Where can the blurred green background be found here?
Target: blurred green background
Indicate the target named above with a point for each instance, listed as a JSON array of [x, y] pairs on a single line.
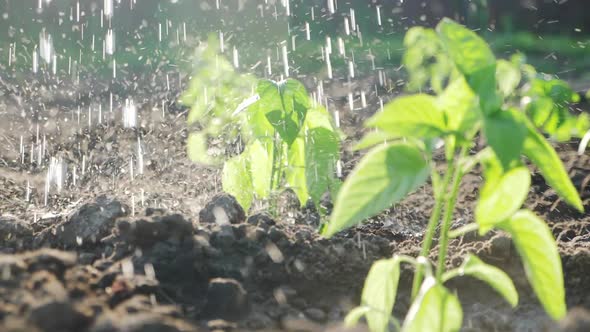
[[555, 35]]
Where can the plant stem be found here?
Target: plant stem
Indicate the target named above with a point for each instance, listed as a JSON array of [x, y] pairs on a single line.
[[275, 173], [439, 191], [274, 170], [446, 223], [280, 164]]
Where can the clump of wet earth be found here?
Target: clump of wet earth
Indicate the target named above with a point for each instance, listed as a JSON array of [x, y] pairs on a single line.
[[165, 250]]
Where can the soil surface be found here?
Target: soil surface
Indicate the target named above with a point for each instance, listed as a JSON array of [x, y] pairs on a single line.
[[122, 247]]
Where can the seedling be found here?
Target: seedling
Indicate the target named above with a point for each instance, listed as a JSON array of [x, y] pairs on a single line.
[[478, 99], [272, 141], [291, 142]]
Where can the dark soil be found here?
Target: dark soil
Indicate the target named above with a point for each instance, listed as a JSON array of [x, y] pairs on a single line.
[[167, 251]]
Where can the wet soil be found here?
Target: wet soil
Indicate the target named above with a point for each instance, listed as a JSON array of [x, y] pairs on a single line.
[[123, 250]]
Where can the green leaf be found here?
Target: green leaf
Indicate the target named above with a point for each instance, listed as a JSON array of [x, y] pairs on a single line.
[[425, 60], [434, 310], [548, 107], [258, 123], [285, 105], [236, 180], [538, 150], [505, 133], [319, 117], [500, 198], [284, 125], [270, 95], [469, 52], [410, 116], [537, 248], [474, 59], [295, 170], [322, 151], [259, 154], [460, 106], [379, 293], [384, 176], [508, 77], [295, 95], [493, 276]]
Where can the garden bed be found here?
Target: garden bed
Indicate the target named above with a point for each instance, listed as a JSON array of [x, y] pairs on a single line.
[[149, 252]]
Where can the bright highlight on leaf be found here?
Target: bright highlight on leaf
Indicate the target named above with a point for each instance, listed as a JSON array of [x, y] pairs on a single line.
[[379, 293], [493, 276], [434, 310], [502, 197], [412, 116], [538, 150], [474, 59], [537, 249], [237, 181], [384, 176]]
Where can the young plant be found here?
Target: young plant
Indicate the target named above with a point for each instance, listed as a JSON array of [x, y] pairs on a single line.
[[290, 142], [215, 90], [478, 99], [274, 138]]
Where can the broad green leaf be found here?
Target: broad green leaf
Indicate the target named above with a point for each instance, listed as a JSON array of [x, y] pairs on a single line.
[[474, 59], [493, 276], [483, 83], [335, 188], [502, 197], [538, 150], [259, 154], [469, 52], [257, 122], [508, 77], [424, 60], [295, 170], [285, 105], [384, 176], [537, 248], [410, 116], [505, 132], [319, 117], [547, 106], [460, 105], [492, 169], [270, 95], [461, 109], [434, 310], [379, 293], [284, 125], [236, 180], [321, 154], [295, 95]]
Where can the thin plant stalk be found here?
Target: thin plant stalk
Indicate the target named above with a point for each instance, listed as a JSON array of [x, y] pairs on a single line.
[[431, 227], [446, 223]]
